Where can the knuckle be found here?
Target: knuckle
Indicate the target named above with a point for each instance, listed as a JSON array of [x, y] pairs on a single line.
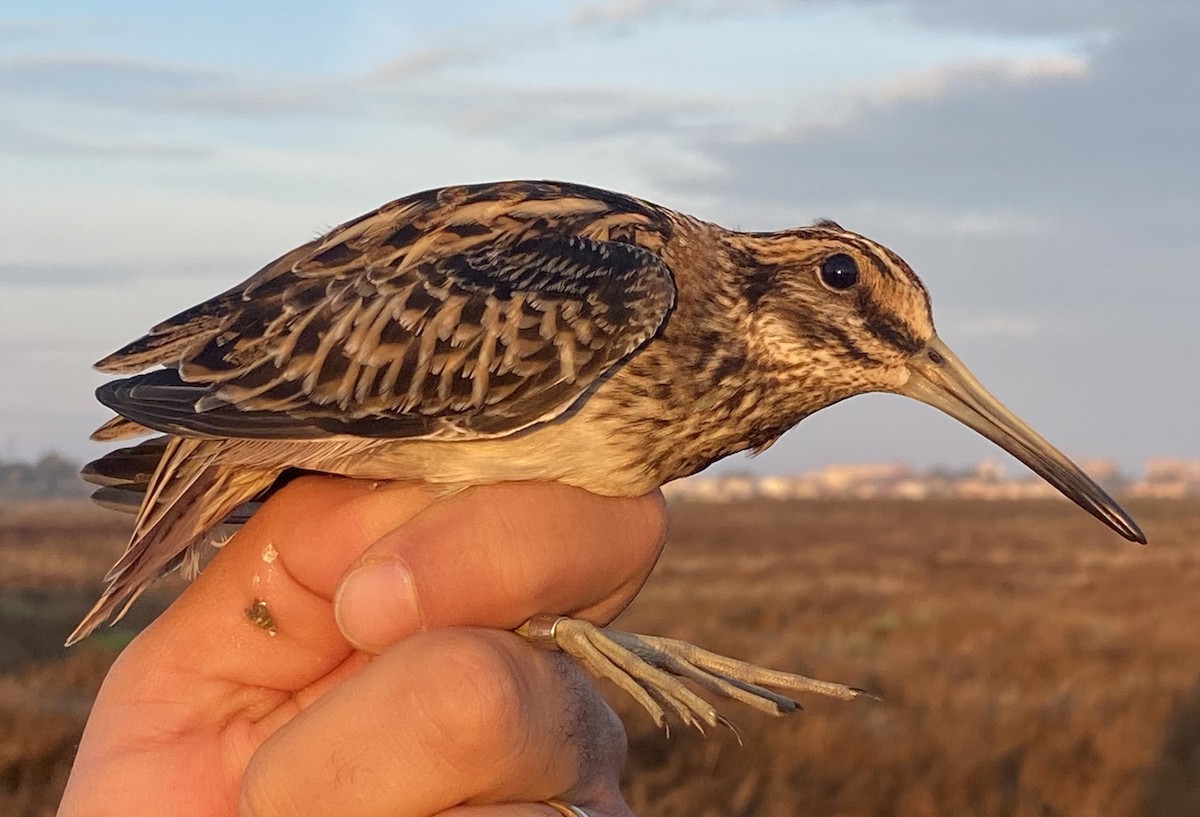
[[296, 500], [260, 795], [646, 536], [474, 712], [299, 490], [654, 507]]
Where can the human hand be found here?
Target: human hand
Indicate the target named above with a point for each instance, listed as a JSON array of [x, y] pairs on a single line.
[[205, 713]]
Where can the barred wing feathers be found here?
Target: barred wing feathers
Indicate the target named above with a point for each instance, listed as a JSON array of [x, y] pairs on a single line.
[[459, 313]]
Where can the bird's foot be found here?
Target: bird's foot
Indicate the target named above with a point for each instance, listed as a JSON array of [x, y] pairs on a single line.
[[650, 668]]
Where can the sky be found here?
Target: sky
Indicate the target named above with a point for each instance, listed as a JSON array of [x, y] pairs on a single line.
[[1035, 162]]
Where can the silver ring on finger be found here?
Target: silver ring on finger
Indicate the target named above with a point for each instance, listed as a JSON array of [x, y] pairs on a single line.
[[567, 809]]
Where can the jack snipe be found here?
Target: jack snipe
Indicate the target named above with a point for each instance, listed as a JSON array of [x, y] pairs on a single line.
[[528, 331]]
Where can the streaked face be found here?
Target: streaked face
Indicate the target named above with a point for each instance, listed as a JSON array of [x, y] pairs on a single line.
[[840, 315], [839, 310]]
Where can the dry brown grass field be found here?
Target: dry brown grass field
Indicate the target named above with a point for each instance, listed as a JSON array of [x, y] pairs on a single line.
[[1029, 661]]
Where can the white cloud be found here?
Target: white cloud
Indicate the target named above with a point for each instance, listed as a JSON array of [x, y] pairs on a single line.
[[101, 79], [628, 12], [20, 140], [623, 12], [952, 76], [428, 60]]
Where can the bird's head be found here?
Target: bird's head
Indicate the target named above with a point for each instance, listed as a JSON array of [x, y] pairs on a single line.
[[835, 314]]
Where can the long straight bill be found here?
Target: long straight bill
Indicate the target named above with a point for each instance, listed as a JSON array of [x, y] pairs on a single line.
[[941, 380]]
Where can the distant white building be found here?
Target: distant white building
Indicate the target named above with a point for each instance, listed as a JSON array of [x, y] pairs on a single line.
[[1167, 478], [853, 477], [1164, 478]]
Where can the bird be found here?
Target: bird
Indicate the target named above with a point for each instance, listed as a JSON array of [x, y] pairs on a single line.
[[526, 330]]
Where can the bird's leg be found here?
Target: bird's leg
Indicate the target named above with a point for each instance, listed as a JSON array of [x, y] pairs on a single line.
[[649, 669]]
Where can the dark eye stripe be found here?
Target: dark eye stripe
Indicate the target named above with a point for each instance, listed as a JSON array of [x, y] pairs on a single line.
[[894, 333], [850, 347]]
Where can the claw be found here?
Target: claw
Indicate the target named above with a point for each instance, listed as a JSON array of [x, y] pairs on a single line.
[[649, 668]]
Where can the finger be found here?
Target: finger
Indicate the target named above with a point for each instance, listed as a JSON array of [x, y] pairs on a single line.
[[494, 556], [442, 719], [288, 557]]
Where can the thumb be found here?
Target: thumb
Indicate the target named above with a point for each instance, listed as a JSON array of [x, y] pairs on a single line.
[[494, 556]]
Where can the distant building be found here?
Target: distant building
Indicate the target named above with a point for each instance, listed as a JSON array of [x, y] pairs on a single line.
[[1164, 478], [1171, 469], [989, 471], [1104, 471], [1167, 478], [852, 477]]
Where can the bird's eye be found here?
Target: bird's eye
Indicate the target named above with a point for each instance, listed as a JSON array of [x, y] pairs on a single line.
[[839, 271]]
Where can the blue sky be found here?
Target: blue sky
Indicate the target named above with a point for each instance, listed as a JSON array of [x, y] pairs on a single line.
[[1035, 164]]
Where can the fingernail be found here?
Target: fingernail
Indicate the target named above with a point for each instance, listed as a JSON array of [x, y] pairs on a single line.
[[376, 606]]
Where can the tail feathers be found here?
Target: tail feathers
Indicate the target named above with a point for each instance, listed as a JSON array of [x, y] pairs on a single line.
[[125, 500], [119, 428], [123, 477], [184, 500], [131, 467]]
